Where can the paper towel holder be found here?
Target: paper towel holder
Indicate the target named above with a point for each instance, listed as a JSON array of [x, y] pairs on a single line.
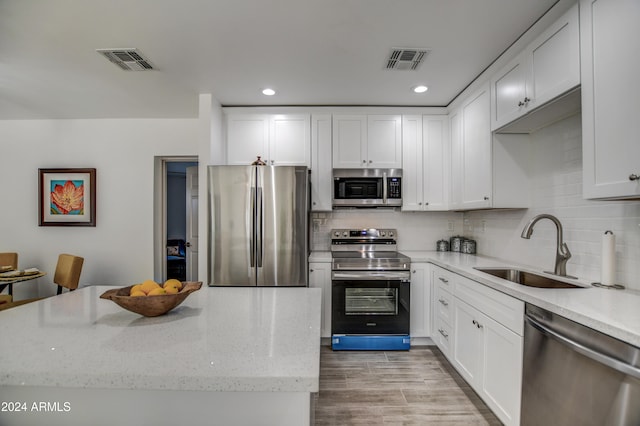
[[608, 286]]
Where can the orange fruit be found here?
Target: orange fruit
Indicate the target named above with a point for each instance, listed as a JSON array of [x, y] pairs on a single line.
[[173, 282], [171, 288], [138, 293], [157, 291], [137, 287], [149, 285]]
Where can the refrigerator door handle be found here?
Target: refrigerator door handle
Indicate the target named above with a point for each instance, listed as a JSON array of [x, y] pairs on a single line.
[[260, 230], [252, 241]]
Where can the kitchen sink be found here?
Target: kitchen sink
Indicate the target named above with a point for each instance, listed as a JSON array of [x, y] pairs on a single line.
[[530, 279]]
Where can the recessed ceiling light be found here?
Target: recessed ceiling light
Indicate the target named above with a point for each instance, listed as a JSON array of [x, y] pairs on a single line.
[[420, 89], [269, 92]]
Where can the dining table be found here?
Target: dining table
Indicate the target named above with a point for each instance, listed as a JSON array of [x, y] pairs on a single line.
[[9, 278]]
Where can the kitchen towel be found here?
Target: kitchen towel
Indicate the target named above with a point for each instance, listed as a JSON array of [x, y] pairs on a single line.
[[608, 274]]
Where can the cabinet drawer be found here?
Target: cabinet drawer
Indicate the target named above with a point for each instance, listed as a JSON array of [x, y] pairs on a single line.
[[443, 336], [443, 277], [503, 309], [443, 302]]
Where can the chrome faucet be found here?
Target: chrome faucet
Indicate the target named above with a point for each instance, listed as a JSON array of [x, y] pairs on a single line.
[[562, 251]]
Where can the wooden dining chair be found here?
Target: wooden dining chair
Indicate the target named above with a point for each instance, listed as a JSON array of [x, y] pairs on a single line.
[[9, 259], [8, 262], [68, 272], [67, 275]]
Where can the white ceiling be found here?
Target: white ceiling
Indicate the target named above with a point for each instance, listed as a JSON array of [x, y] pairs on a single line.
[[312, 52]]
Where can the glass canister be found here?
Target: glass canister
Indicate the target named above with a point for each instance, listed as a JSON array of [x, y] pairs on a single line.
[[455, 243], [442, 245], [469, 247]]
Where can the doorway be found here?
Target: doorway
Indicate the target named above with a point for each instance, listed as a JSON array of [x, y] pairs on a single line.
[[176, 213]]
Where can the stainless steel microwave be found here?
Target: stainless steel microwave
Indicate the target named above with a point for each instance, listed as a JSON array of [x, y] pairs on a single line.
[[367, 188]]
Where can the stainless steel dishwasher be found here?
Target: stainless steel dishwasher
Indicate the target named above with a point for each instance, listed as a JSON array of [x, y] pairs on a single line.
[[574, 375]]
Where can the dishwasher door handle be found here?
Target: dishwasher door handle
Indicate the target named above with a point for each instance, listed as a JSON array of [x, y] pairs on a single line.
[[617, 365]]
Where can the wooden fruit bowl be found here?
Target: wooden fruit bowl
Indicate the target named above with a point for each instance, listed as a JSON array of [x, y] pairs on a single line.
[[150, 306]]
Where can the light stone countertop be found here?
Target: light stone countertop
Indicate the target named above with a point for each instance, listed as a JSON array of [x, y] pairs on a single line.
[[218, 339], [613, 312]]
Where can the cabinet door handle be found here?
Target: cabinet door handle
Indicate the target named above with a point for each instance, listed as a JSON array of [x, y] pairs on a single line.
[[477, 324], [524, 102], [444, 333], [310, 270], [444, 280], [633, 177], [364, 161], [444, 302], [486, 198]]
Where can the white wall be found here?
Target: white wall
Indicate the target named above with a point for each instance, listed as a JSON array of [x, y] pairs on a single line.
[[557, 189], [119, 250]]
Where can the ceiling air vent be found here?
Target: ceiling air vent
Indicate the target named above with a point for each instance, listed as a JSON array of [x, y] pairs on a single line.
[[127, 59], [406, 59]]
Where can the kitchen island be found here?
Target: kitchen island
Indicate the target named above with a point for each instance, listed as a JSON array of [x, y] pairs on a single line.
[[227, 356]]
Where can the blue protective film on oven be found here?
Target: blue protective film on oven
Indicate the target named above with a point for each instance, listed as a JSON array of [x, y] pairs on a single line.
[[341, 342]]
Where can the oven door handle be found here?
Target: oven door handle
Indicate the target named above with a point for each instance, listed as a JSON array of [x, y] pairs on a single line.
[[404, 276]]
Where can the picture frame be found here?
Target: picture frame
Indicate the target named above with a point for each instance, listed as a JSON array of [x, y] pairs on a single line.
[[67, 197]]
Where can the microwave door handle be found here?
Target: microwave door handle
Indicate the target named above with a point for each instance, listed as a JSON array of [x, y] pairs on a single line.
[[384, 188]]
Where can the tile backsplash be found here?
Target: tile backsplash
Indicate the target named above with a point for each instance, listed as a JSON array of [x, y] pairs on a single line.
[[416, 230], [556, 188]]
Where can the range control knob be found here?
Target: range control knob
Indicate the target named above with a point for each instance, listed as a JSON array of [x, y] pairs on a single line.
[[383, 234], [390, 234], [345, 234], [337, 233]]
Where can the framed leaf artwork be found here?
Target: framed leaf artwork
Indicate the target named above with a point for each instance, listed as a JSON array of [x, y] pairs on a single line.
[[67, 197]]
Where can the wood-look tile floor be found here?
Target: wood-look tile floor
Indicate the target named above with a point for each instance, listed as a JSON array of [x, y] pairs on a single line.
[[372, 388]]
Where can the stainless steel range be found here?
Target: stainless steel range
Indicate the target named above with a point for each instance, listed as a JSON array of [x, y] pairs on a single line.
[[370, 291]]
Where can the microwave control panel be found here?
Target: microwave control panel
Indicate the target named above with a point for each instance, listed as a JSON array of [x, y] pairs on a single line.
[[393, 187]]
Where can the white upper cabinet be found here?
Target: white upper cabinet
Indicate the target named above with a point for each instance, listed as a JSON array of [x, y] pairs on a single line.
[[384, 141], [247, 138], [321, 179], [547, 68], [279, 139], [471, 153], [425, 161], [361, 141], [610, 43], [487, 170]]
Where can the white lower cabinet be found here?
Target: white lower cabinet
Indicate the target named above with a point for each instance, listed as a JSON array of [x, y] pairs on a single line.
[[420, 311], [487, 348], [480, 331], [442, 306], [320, 277]]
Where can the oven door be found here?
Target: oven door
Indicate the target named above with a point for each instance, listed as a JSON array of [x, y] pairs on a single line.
[[375, 307]]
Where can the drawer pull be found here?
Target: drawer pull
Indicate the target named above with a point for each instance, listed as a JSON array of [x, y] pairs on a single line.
[[444, 333], [444, 302], [477, 324], [444, 280]]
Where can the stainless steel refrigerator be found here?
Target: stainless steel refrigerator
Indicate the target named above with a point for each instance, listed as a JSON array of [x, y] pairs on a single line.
[[258, 225]]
